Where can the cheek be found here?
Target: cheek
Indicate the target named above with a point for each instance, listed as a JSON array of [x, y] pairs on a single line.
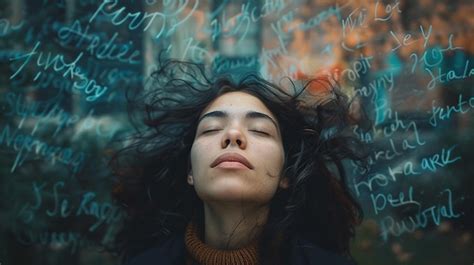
[[200, 154], [272, 157]]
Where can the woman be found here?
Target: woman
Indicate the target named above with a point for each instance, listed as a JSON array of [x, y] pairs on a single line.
[[236, 170]]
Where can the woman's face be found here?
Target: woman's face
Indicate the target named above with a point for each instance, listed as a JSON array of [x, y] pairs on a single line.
[[233, 128]]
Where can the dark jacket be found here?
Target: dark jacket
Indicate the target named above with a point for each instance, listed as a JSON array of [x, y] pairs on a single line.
[[173, 252]]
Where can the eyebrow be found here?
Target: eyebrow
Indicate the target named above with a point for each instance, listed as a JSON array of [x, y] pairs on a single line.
[[248, 115]]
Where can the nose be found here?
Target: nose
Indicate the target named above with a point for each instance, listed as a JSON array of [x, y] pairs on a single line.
[[235, 137]]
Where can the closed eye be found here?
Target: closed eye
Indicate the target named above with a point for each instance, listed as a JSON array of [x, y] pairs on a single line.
[[211, 130], [260, 132]]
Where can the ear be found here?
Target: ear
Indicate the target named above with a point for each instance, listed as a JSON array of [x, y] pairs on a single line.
[[284, 183], [190, 178]]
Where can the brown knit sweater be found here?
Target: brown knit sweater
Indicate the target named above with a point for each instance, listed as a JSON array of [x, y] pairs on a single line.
[[200, 253]]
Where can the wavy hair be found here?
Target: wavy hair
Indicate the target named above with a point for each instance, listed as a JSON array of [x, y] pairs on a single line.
[[315, 127]]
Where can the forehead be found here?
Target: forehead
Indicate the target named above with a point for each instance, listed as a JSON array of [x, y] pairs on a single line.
[[237, 103]]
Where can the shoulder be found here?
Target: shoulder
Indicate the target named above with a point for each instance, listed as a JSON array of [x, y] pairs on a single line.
[[170, 252], [305, 252]]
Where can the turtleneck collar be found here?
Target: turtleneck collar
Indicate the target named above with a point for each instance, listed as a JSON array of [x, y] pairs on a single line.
[[206, 255]]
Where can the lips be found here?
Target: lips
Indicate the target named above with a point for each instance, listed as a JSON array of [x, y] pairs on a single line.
[[232, 157]]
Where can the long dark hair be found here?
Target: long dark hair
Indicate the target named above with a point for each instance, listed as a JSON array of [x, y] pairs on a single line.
[[315, 127]]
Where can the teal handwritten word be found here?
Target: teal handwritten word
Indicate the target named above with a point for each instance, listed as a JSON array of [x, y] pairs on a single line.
[[107, 50], [444, 113], [51, 80], [350, 23], [137, 18], [194, 51], [27, 211], [236, 25], [406, 168], [358, 67], [278, 27], [74, 240], [372, 89], [103, 127], [102, 212], [270, 7], [381, 200], [391, 152], [222, 64], [364, 136], [420, 220], [24, 144], [112, 75], [58, 64], [317, 20], [268, 56], [439, 160], [240, 24], [445, 77], [396, 124], [172, 18], [144, 19], [407, 38], [48, 111], [6, 27], [395, 149], [389, 10], [432, 56]]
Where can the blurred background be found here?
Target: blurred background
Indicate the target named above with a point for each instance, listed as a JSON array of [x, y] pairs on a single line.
[[66, 65]]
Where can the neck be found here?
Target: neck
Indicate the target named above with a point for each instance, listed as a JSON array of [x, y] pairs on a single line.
[[232, 226]]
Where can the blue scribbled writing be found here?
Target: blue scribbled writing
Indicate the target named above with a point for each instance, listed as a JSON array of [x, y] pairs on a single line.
[[47, 111], [445, 77], [389, 9], [107, 50], [381, 200], [444, 113], [390, 226], [24, 144], [439, 160], [103, 212]]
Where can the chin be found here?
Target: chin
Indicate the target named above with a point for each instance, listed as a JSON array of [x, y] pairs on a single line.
[[233, 188], [229, 192], [235, 194]]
